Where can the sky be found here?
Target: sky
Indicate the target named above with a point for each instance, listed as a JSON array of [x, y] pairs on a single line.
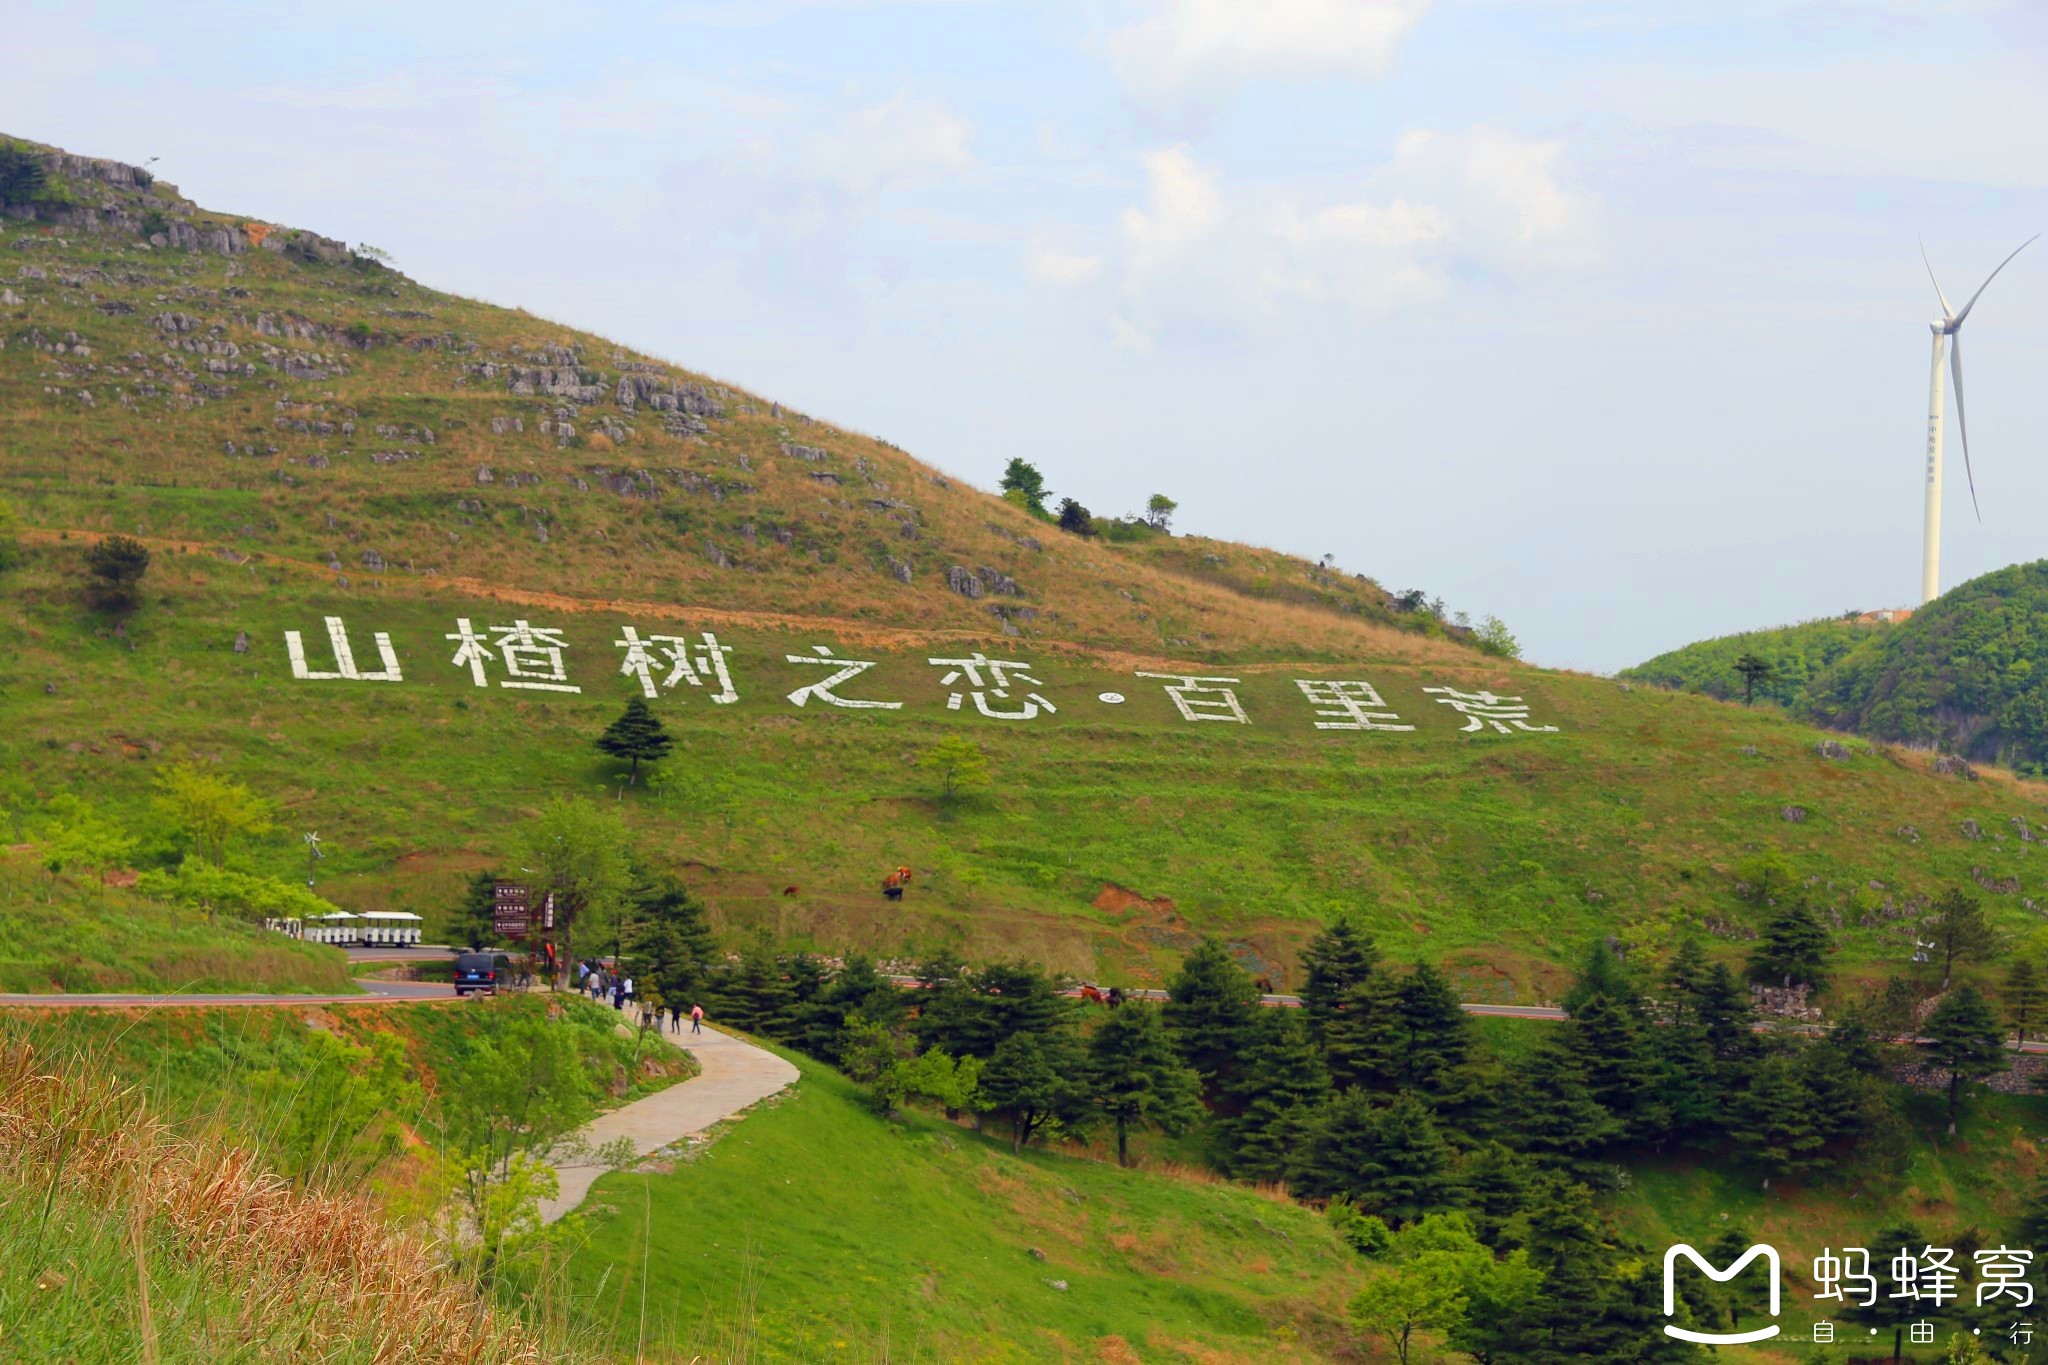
[[1606, 317]]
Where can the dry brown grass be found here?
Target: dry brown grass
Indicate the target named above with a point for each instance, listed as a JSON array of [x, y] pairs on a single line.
[[320, 1270]]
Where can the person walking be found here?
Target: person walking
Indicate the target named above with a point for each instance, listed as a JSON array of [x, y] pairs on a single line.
[[675, 1017], [696, 1018], [619, 996], [630, 997]]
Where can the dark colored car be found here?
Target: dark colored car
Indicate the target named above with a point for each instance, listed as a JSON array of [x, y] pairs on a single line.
[[482, 972]]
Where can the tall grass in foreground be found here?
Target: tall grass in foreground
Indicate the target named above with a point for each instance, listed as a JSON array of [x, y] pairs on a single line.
[[122, 1239]]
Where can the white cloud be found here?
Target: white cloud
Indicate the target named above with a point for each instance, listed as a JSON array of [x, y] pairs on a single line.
[[904, 137], [1448, 205], [1060, 267], [1198, 50]]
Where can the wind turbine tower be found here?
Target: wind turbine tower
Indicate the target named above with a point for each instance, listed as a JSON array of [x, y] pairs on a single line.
[[1947, 338]]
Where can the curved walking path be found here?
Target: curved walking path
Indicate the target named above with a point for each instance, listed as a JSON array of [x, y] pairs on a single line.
[[736, 1074]]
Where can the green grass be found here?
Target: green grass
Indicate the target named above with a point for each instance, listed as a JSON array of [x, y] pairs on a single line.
[[817, 1231], [1494, 856], [59, 936]]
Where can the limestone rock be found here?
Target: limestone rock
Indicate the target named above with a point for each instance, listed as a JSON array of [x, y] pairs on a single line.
[[900, 569], [963, 582], [241, 642]]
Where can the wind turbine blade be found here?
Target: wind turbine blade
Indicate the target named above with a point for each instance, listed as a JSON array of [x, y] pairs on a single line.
[[1946, 311], [1992, 276], [1955, 368]]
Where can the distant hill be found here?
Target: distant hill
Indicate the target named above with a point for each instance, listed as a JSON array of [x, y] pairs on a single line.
[[1968, 672], [298, 432], [1797, 655]]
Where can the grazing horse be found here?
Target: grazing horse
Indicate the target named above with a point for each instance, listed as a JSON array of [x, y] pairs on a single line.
[[1092, 996]]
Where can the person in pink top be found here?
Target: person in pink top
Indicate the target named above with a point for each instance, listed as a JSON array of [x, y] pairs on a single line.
[[696, 1018]]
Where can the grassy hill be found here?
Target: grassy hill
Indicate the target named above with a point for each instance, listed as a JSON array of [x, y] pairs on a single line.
[[947, 1248], [1797, 655], [1966, 672], [298, 433]]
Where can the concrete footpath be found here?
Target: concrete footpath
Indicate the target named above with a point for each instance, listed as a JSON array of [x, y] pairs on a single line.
[[736, 1074]]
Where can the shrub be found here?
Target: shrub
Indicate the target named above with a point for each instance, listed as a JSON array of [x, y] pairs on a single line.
[[154, 222], [23, 177], [115, 568]]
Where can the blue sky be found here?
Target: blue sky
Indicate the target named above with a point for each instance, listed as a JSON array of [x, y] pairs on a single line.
[[1607, 318]]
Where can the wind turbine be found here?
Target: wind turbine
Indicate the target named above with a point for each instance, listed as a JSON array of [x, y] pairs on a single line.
[[1948, 337]]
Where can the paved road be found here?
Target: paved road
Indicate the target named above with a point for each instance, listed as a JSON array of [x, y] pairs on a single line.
[[736, 1075], [418, 952], [373, 993]]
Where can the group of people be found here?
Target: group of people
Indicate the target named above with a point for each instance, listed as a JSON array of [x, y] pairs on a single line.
[[599, 983]]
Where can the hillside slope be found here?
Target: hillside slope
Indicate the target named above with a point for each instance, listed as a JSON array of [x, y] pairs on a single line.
[[1797, 655], [301, 435]]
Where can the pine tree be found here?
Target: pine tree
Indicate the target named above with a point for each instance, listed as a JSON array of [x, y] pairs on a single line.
[[1433, 1032], [1956, 927], [1775, 1122], [1336, 960], [1496, 1180], [1137, 1078], [1615, 1051], [1272, 1096], [1601, 1299], [1560, 1124], [1602, 976], [856, 992], [671, 946], [1210, 1005], [637, 735], [1386, 1157], [1725, 1014], [114, 570], [1033, 1081], [2024, 995], [1889, 1313], [1360, 1035], [1022, 479], [753, 995], [1793, 948], [1964, 1039], [1683, 980], [972, 1011]]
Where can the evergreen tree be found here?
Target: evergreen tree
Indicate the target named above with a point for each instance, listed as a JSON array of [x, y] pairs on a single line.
[[1600, 1300], [474, 921], [1272, 1096], [1691, 1082], [1956, 927], [1964, 1038], [637, 735], [671, 947], [1360, 1036], [971, 1011], [1339, 958], [1387, 1158], [1137, 1078], [1890, 1314], [2032, 1228], [1793, 949], [114, 570], [1210, 1005], [753, 995], [1560, 1124], [1683, 981], [1602, 976], [857, 992], [1725, 1015], [2025, 994], [1496, 1180], [1433, 1034], [1033, 1081], [1754, 670], [1075, 519], [1775, 1123], [1617, 1055]]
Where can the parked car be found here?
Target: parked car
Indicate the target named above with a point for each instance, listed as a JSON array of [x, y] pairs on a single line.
[[482, 972]]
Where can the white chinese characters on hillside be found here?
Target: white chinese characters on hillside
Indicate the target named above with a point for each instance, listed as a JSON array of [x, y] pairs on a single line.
[[531, 654], [645, 657], [525, 657], [1481, 709], [344, 657], [1196, 699], [1002, 675], [845, 671]]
